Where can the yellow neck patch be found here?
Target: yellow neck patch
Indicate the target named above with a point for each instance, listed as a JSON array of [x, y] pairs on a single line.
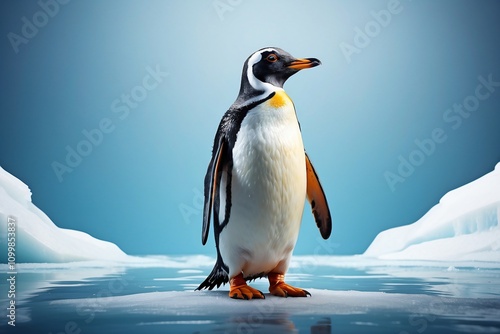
[[279, 99]]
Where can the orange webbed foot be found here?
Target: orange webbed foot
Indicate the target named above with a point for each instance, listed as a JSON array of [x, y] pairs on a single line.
[[278, 287], [240, 290]]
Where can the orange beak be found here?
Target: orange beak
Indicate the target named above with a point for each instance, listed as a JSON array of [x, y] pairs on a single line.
[[301, 63]]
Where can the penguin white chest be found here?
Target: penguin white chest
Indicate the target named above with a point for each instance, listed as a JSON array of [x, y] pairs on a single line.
[[268, 189]]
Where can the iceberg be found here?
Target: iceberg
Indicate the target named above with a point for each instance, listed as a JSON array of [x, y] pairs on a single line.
[[37, 238], [463, 226]]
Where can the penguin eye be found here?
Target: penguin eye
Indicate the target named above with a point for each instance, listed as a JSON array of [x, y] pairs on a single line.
[[272, 58]]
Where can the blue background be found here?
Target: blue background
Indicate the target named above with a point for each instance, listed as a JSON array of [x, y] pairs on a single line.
[[140, 186]]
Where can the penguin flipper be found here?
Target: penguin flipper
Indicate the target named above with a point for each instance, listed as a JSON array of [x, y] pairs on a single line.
[[317, 199], [212, 182]]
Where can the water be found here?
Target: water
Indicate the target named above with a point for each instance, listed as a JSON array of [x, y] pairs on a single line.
[[349, 295]]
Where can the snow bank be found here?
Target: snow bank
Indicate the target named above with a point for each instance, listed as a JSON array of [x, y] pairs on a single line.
[[38, 239], [464, 226]]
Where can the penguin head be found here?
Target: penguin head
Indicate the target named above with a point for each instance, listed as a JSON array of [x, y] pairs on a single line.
[[275, 66], [269, 68]]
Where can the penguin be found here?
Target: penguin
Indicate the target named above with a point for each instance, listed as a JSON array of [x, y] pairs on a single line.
[[258, 180]]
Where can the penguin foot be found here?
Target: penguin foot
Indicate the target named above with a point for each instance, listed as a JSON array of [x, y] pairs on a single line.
[[240, 290], [278, 287]]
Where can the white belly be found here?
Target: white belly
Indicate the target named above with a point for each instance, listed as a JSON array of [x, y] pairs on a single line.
[[268, 192]]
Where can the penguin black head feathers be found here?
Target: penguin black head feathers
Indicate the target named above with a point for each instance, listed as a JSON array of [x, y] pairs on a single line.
[[269, 68]]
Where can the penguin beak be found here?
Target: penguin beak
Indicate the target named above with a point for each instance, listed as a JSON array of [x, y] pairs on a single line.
[[301, 63]]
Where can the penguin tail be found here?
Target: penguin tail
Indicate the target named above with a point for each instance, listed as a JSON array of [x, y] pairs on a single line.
[[217, 277]]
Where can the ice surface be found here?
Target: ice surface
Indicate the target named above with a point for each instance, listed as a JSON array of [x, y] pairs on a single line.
[[463, 226], [354, 294], [383, 297], [41, 239], [196, 303]]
